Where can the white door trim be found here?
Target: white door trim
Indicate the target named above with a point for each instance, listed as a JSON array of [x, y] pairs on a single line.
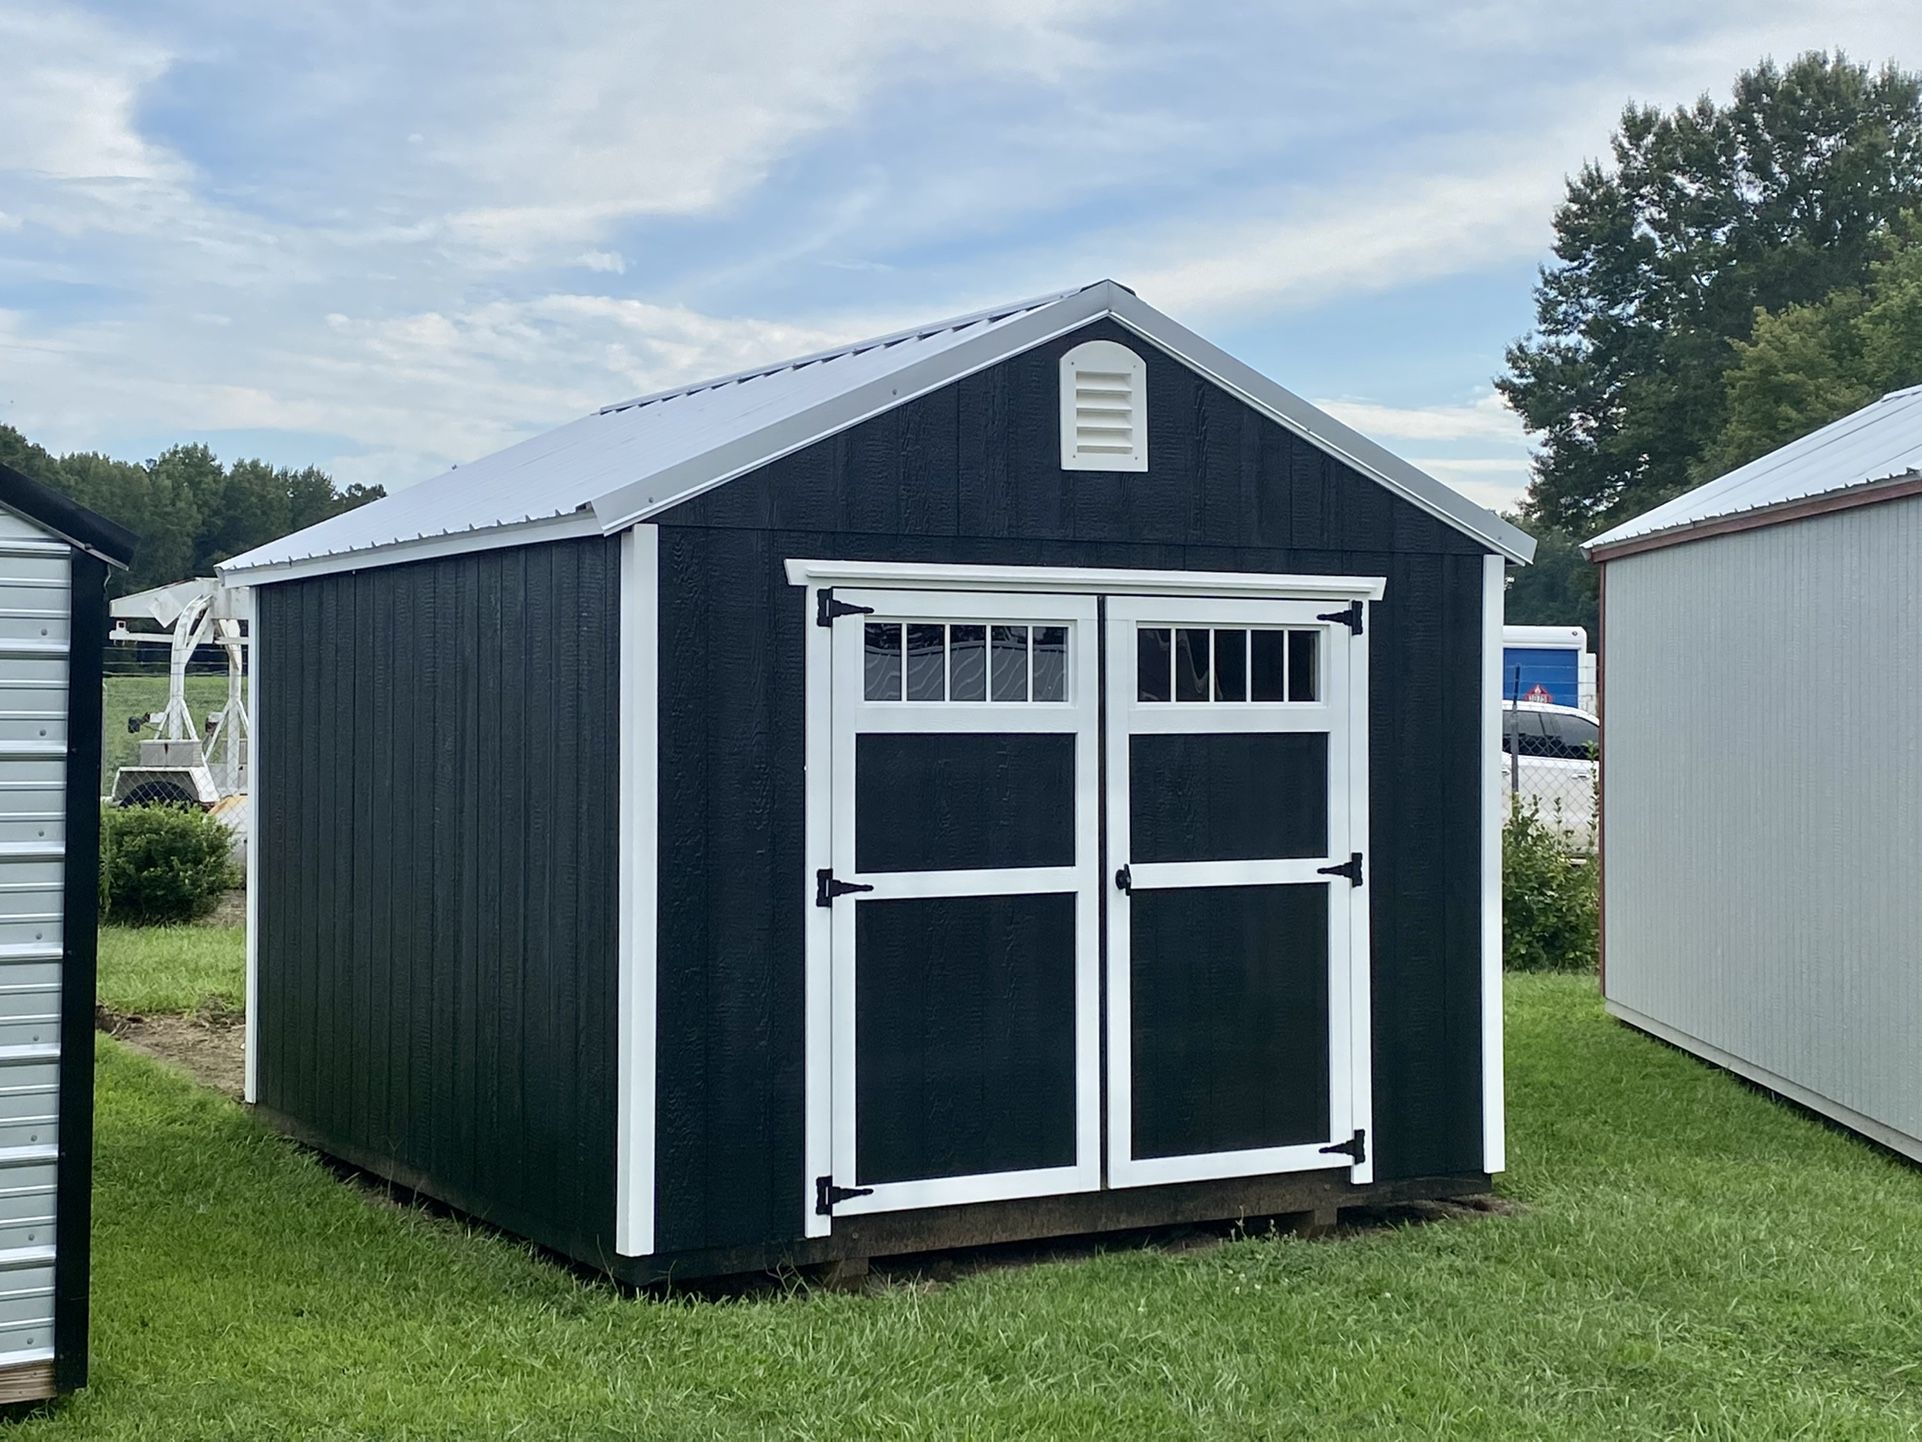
[[909, 575], [1340, 710], [853, 715]]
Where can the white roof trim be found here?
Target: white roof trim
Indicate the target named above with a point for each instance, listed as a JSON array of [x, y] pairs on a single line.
[[1315, 425], [420, 548], [600, 499], [1876, 446], [926, 576]]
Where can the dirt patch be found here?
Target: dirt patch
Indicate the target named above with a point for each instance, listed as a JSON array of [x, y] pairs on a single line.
[[210, 1045], [230, 910]]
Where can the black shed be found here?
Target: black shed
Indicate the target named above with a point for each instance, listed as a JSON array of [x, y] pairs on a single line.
[[1025, 775], [55, 559]]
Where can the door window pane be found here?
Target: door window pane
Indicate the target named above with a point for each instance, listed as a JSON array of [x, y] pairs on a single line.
[[968, 663], [883, 661], [927, 662], [1268, 673], [1050, 663], [1152, 645], [1304, 672], [1231, 665], [1009, 664], [1191, 665]]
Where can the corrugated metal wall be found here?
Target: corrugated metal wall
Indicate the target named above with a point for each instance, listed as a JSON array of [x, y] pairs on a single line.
[[35, 612], [1762, 801]]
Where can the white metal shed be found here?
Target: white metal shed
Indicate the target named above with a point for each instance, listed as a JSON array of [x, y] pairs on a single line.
[[1761, 660], [55, 558]]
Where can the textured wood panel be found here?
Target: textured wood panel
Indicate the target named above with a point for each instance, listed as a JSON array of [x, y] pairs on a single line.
[[1229, 1023], [438, 850], [965, 1034], [971, 475]]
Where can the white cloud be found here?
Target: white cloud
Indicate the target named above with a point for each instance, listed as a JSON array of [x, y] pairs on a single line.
[[1485, 418], [67, 107], [610, 262]]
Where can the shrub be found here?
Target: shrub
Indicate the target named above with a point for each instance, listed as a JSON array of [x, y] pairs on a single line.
[[1551, 908], [161, 864]]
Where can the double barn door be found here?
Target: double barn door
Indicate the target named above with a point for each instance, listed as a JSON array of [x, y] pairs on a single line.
[[1095, 906]]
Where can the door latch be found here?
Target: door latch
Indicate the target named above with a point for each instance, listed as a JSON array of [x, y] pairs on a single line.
[[826, 888], [1124, 880]]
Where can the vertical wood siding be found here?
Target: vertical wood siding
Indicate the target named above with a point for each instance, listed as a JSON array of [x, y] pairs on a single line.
[[1763, 748], [971, 474], [438, 841]]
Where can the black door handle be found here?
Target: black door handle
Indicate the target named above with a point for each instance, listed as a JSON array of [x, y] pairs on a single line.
[[1124, 879]]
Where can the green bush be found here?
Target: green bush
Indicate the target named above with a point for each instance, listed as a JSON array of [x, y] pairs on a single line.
[[161, 864], [1551, 907]]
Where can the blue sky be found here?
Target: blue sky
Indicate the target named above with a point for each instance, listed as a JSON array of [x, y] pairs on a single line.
[[385, 238]]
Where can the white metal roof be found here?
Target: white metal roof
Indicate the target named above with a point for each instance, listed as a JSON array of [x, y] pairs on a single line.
[[600, 474], [1881, 442]]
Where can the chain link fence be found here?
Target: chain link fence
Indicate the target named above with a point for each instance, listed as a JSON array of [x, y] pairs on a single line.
[[1550, 763]]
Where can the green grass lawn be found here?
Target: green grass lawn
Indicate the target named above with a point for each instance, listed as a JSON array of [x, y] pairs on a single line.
[[1691, 1259], [172, 968], [142, 696]]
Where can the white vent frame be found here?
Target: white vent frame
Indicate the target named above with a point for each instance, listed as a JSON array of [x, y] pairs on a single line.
[[1104, 408]]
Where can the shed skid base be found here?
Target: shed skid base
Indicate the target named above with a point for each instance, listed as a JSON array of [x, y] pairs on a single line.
[[1308, 1201], [29, 1382]]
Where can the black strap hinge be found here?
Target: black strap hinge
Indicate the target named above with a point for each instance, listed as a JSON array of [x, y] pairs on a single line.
[[1351, 868], [826, 888], [826, 607], [826, 1194], [1349, 616], [1356, 1147]]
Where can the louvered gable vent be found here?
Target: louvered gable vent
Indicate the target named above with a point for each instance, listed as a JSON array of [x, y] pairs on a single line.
[[1104, 408]]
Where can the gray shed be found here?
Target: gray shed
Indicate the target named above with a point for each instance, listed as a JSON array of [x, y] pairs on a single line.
[[1762, 770]]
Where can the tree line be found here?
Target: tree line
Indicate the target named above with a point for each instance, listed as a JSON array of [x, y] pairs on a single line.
[[1735, 275], [189, 511]]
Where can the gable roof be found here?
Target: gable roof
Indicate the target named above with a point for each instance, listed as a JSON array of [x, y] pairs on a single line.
[[626, 462], [1856, 459], [66, 518]]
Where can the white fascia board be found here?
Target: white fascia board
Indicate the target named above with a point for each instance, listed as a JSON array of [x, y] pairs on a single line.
[[622, 507], [572, 526], [920, 576], [1323, 430]]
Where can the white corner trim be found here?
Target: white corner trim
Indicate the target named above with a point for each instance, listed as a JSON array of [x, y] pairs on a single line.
[[1082, 580], [639, 849], [1494, 1096], [249, 610]]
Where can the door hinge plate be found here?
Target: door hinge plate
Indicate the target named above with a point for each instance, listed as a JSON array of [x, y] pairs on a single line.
[[826, 1194], [1355, 1147], [1351, 868], [827, 607], [826, 888], [1349, 615]]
